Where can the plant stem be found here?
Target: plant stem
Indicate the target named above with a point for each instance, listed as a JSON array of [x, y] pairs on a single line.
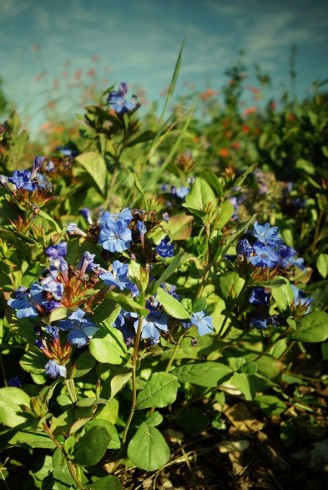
[[71, 466], [134, 380], [3, 371], [266, 350], [71, 389], [174, 353]]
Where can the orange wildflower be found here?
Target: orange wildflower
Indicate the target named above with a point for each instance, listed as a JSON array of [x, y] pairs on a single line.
[[224, 152]]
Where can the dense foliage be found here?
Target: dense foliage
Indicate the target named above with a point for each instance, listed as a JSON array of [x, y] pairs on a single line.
[[152, 272]]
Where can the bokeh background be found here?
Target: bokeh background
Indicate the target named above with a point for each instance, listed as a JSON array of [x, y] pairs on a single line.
[[56, 54]]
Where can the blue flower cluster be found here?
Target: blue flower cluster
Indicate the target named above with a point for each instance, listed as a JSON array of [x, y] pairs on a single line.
[[165, 248], [268, 249], [27, 179], [117, 101], [60, 285], [265, 249], [153, 325], [115, 234], [260, 297], [156, 323]]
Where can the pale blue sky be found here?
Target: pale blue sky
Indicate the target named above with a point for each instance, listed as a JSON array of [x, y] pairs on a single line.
[[139, 41]]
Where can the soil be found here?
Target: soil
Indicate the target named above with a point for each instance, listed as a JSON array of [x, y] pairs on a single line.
[[248, 453]]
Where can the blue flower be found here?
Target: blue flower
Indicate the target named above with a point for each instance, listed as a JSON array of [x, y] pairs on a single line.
[[180, 192], [25, 301], [202, 322], [30, 181], [15, 382], [260, 321], [124, 216], [50, 167], [22, 180], [73, 229], [264, 255], [288, 257], [37, 164], [116, 99], [52, 286], [55, 370], [56, 251], [87, 264], [244, 247], [169, 288], [124, 323], [152, 325], [119, 276], [67, 152], [141, 227], [53, 331], [267, 235], [165, 249], [80, 330], [85, 212], [51, 305], [259, 296], [300, 299], [115, 236]]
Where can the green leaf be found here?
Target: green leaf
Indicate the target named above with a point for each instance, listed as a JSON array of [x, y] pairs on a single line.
[[283, 296], [174, 148], [107, 482], [92, 446], [276, 282], [90, 402], [155, 419], [148, 449], [108, 346], [201, 197], [46, 216], [230, 285], [160, 391], [12, 401], [34, 361], [172, 83], [119, 380], [106, 312], [207, 374], [94, 165], [215, 182], [172, 306], [147, 135], [225, 214], [199, 304], [322, 265], [171, 268], [235, 236], [305, 165], [270, 405], [312, 327], [114, 442], [61, 474], [85, 362], [192, 420], [180, 227], [59, 314], [243, 382], [127, 303], [32, 439]]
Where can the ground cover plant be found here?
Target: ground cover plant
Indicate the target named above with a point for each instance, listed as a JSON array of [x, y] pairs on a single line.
[[164, 294]]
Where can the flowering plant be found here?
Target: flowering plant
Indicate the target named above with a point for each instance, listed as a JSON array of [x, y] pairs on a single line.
[[132, 298]]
